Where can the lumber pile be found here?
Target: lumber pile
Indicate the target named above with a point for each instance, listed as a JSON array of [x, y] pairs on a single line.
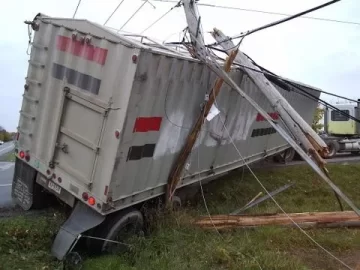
[[304, 220]]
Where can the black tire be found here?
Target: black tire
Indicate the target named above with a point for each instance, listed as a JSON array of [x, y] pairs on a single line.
[[176, 203], [355, 153], [286, 156], [333, 149], [118, 227]]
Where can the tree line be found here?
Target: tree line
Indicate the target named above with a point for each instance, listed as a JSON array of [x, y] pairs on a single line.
[[6, 136]]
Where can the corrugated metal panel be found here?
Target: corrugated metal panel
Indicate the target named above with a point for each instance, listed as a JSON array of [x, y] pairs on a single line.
[[174, 90], [99, 75]]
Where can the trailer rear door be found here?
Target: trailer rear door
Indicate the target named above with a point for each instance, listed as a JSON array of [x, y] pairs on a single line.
[[80, 131]]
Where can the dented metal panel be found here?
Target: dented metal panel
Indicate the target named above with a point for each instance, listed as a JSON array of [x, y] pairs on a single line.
[[174, 90]]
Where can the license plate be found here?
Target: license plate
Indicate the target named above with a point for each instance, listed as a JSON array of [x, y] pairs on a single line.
[[54, 187]]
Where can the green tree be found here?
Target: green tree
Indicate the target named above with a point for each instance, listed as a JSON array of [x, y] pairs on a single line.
[[4, 135], [319, 113]]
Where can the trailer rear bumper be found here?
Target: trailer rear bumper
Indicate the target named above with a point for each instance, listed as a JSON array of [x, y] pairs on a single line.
[[82, 219], [23, 186]]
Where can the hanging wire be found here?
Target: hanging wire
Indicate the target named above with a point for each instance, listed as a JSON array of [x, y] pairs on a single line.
[[108, 19], [267, 12], [204, 199], [278, 205], [278, 22], [132, 16], [77, 7], [161, 17]]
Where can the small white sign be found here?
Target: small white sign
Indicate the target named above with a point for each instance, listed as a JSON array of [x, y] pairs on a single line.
[[213, 112], [54, 187]]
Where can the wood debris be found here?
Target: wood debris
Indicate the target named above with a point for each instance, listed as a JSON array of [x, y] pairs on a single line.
[[304, 220]]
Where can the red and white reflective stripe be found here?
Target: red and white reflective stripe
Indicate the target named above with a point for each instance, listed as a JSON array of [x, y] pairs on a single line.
[[81, 49], [146, 124], [142, 125], [273, 115]]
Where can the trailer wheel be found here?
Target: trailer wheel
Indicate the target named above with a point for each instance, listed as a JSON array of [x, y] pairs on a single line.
[[333, 149], [286, 156], [176, 203], [118, 227]]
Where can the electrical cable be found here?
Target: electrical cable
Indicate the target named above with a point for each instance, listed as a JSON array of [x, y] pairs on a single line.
[[299, 87], [278, 22], [206, 205], [268, 12], [113, 12], [296, 86], [161, 17], [77, 7], [132, 16], [278, 205]]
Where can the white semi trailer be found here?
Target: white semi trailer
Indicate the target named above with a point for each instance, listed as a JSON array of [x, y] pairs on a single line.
[[104, 117]]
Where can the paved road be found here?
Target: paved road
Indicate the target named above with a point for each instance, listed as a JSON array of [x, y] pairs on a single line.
[[6, 148], [6, 174], [341, 158]]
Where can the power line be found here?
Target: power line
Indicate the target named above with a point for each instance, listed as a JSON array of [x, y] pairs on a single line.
[[113, 12], [132, 16], [278, 22], [268, 74], [299, 87], [77, 7], [161, 17], [268, 12]]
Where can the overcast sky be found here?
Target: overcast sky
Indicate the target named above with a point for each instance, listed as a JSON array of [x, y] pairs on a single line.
[[322, 54]]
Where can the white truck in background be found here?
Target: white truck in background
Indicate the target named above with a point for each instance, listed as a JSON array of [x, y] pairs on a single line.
[[342, 129], [341, 132]]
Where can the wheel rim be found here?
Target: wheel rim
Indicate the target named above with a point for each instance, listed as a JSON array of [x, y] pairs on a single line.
[[122, 236], [331, 150]]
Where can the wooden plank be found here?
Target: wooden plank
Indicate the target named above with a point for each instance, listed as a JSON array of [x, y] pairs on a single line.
[[312, 219]]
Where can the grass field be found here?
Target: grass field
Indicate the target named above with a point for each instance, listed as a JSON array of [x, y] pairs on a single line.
[[174, 243], [9, 157]]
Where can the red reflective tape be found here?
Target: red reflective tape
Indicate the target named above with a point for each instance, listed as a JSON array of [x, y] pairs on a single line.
[[259, 118], [145, 124], [80, 49], [273, 115]]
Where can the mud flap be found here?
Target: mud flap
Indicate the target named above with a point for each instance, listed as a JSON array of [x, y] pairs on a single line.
[[23, 185], [82, 218]]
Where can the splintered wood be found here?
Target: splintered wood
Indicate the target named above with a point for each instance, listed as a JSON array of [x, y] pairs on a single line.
[[175, 174], [304, 220]]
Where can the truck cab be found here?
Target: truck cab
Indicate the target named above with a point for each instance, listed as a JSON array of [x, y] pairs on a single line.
[[342, 131], [338, 124]]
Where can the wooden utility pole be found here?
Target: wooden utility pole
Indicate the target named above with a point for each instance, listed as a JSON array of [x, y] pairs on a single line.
[[201, 52], [179, 164]]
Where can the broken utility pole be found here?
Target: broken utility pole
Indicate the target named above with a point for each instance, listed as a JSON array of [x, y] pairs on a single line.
[[177, 170], [202, 53]]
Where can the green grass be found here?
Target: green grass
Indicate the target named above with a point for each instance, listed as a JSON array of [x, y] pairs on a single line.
[[174, 243], [9, 157]]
